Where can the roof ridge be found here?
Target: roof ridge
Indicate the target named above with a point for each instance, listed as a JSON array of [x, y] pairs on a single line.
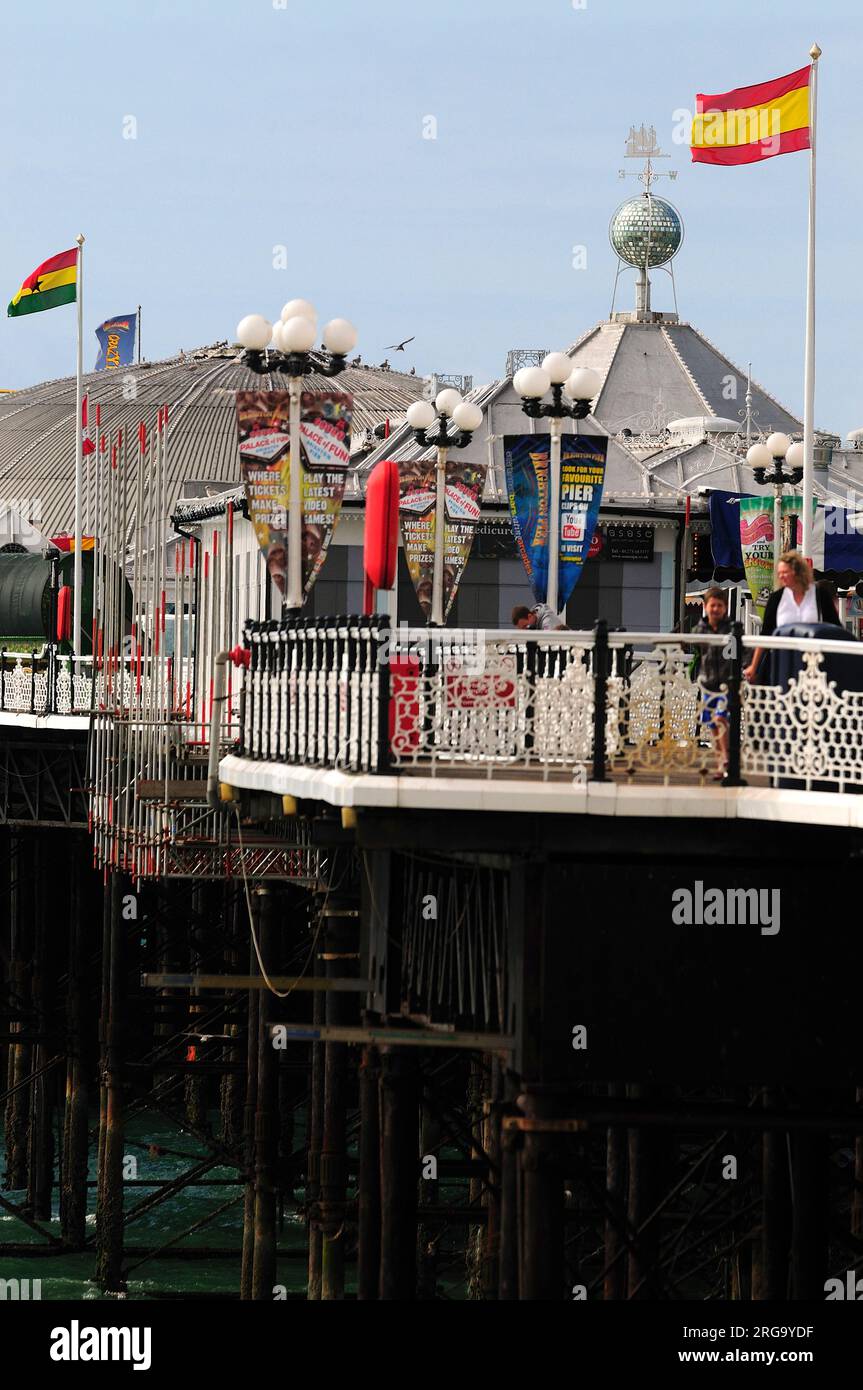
[[686, 369]]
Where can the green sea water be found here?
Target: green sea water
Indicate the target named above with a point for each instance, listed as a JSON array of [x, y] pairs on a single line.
[[70, 1276]]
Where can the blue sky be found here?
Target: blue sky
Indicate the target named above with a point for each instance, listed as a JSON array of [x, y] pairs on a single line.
[[301, 126]]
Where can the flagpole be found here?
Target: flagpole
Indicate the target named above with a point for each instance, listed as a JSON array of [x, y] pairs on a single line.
[[139, 335], [809, 361], [79, 452]]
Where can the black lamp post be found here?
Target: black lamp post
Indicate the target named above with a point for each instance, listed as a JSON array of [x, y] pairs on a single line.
[[467, 418], [294, 337], [581, 385], [776, 462]]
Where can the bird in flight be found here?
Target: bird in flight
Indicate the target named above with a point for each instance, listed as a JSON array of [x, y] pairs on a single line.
[[399, 347]]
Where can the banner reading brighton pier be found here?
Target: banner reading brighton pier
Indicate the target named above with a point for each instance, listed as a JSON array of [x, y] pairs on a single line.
[[582, 476], [464, 484], [756, 541], [263, 420]]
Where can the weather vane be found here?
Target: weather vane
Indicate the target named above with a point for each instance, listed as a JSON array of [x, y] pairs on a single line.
[[642, 144]]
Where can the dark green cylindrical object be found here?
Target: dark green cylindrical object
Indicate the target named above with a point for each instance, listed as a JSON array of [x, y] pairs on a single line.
[[25, 594]]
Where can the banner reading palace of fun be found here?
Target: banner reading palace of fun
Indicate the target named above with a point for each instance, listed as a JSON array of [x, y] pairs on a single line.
[[582, 476], [464, 484], [263, 419]]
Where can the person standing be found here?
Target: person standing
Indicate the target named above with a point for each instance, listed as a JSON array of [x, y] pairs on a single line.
[[714, 670], [797, 600]]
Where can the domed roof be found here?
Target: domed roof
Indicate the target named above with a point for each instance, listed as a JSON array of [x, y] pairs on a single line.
[[37, 425], [646, 231]]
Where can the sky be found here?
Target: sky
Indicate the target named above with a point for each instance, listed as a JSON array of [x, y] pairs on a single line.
[[423, 170]]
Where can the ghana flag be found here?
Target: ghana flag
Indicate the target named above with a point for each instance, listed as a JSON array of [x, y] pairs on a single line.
[[53, 282]]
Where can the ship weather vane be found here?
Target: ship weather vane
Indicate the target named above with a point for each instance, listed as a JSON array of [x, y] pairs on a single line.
[[641, 143]]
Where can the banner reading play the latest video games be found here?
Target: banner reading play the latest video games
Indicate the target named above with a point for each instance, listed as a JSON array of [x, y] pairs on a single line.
[[464, 484], [263, 419], [582, 475], [756, 541], [116, 342]]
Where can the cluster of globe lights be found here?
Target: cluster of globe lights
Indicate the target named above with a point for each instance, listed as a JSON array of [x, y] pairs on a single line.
[[580, 384], [776, 448], [296, 332], [448, 404]]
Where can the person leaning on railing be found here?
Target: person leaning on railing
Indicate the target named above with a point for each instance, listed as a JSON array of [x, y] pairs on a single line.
[[797, 600], [540, 618]]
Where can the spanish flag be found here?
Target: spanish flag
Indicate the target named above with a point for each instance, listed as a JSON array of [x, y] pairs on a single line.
[[753, 123], [54, 282]]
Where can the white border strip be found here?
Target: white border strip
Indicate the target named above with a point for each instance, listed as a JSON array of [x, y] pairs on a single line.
[[530, 794]]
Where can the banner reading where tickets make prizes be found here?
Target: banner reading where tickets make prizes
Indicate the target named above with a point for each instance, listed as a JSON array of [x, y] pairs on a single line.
[[582, 477], [464, 484], [263, 420]]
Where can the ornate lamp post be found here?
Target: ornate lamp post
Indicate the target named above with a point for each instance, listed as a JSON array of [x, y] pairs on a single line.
[[767, 462], [467, 418], [294, 337], [581, 385]]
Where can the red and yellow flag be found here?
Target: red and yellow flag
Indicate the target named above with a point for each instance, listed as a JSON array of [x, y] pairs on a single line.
[[753, 123], [54, 282]]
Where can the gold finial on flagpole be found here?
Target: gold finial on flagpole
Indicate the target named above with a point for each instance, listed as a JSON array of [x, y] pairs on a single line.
[[80, 238], [815, 53]]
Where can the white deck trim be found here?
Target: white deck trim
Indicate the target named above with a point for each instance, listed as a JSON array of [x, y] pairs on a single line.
[[18, 719], [415, 792]]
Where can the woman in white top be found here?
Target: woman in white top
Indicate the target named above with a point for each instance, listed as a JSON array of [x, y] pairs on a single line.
[[797, 600]]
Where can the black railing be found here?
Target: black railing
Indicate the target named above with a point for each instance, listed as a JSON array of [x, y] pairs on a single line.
[[317, 692]]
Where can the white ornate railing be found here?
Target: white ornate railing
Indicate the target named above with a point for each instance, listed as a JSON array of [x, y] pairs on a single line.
[[581, 705], [808, 731], [41, 683]]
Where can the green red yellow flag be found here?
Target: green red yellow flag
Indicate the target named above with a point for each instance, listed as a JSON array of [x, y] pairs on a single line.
[[753, 123], [54, 282]]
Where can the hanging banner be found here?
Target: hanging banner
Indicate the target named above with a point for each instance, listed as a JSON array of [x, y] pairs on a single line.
[[116, 342], [582, 477], [792, 523], [417, 495], [756, 547], [756, 540], [263, 421]]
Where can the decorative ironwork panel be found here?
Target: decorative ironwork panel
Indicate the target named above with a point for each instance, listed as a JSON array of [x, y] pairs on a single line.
[[809, 732]]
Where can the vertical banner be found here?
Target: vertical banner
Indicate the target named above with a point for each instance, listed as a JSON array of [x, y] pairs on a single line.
[[792, 522], [116, 342], [756, 540], [582, 477], [263, 421], [417, 491], [756, 547]]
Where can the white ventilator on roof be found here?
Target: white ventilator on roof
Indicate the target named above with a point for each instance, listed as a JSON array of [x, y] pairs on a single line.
[[698, 425]]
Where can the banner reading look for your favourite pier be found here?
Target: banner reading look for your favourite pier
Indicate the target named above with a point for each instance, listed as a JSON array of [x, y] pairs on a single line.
[[263, 419], [582, 476]]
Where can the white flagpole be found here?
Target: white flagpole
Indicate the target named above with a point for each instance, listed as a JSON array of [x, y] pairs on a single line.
[[809, 361], [79, 453]]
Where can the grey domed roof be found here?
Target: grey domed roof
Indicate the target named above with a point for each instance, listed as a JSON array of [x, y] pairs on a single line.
[[37, 425]]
